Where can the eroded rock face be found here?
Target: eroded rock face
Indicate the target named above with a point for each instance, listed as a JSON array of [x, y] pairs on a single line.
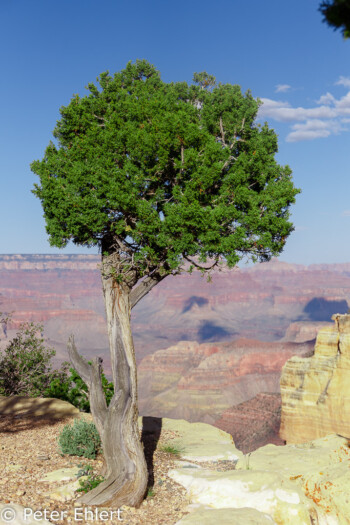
[[64, 292], [316, 390], [254, 423], [198, 382]]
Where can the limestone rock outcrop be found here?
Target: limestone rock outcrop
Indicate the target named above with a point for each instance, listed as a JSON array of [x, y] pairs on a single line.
[[293, 485], [316, 390]]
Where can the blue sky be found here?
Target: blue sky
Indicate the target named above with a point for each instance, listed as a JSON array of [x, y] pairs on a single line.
[[280, 50]]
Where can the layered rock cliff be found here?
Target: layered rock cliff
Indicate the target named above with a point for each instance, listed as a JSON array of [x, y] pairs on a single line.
[[198, 382], [316, 390], [64, 292]]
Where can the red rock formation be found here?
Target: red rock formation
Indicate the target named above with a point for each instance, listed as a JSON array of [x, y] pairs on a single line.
[[254, 423], [255, 303]]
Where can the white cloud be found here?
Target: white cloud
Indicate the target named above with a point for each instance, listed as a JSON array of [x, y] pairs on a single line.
[[282, 88], [343, 81], [283, 112], [328, 116], [326, 99], [346, 213], [313, 129]]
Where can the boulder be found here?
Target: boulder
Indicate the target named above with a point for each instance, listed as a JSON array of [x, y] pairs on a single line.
[[22, 406]]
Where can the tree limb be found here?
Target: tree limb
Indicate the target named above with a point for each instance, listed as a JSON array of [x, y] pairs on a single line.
[[222, 132], [79, 363], [202, 267], [143, 288], [91, 375]]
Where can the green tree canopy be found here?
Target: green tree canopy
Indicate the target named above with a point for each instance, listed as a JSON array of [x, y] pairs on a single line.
[[337, 14], [165, 171]]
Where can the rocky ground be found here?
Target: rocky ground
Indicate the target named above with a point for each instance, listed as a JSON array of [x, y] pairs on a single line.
[[29, 451], [208, 481]]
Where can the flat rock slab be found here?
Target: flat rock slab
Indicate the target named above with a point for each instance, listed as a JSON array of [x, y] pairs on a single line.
[[266, 492], [15, 514], [244, 516], [66, 492], [22, 406], [62, 474], [296, 460], [199, 441], [295, 485], [320, 467]]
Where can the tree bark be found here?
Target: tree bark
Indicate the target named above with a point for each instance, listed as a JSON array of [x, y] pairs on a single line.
[[125, 467]]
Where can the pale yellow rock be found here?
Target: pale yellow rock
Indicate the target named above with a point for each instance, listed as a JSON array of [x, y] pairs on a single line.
[[66, 492], [62, 474], [316, 390], [266, 492], [300, 459], [14, 468], [199, 441], [36, 406], [244, 516], [321, 468]]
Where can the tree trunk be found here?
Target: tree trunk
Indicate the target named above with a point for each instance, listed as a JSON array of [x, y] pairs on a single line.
[[125, 466]]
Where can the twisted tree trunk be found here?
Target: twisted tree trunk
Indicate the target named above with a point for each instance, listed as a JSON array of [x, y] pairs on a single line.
[[125, 467]]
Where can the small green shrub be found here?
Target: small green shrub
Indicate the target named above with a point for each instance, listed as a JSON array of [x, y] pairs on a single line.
[[150, 493], [71, 388], [25, 364], [171, 449], [80, 439], [92, 480]]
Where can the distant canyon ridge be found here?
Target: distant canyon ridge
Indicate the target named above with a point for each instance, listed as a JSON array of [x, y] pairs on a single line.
[[268, 302], [202, 347]]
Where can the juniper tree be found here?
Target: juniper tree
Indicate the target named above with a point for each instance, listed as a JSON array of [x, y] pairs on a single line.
[[156, 175]]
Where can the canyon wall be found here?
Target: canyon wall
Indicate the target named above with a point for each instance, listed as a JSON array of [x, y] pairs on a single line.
[[64, 293], [198, 382], [316, 390]]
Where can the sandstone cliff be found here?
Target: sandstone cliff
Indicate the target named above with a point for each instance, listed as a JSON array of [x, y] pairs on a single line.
[[316, 390]]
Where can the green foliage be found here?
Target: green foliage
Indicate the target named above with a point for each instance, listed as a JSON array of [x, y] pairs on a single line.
[[80, 439], [92, 480], [150, 493], [337, 14], [26, 369], [171, 449], [25, 365], [70, 387], [161, 172]]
